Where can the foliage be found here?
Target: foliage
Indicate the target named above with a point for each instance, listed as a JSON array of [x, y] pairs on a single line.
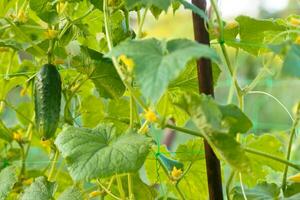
[[100, 132]]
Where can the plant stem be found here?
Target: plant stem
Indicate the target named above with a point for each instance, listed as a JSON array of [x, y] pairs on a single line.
[[266, 155], [225, 53], [131, 112], [179, 192], [288, 155], [120, 187], [53, 163], [130, 191], [141, 24], [184, 130], [115, 61], [228, 184], [107, 191], [23, 159]]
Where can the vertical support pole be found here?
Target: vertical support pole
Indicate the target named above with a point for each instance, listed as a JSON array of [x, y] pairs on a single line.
[[205, 79]]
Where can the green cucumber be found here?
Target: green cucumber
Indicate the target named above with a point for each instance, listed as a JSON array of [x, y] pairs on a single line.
[[47, 99]]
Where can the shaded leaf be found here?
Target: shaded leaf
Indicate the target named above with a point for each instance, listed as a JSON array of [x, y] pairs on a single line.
[[8, 178]]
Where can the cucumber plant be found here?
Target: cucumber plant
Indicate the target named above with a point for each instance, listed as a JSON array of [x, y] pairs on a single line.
[[86, 98]]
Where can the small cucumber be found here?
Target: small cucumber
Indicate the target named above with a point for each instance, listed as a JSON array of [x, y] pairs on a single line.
[[47, 99]]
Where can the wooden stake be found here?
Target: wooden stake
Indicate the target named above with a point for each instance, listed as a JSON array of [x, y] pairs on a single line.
[[205, 79]]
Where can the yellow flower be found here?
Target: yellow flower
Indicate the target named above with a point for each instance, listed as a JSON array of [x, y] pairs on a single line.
[[46, 143], [28, 181], [129, 63], [176, 173], [145, 130], [22, 17], [150, 116], [17, 136], [295, 21], [95, 194], [51, 34], [297, 41], [295, 178], [231, 25]]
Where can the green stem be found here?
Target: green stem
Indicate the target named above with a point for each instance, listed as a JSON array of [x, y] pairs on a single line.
[[53, 164], [266, 155], [141, 24], [107, 190], [288, 155], [179, 192], [184, 130], [130, 191], [23, 159], [228, 184], [120, 187], [115, 61]]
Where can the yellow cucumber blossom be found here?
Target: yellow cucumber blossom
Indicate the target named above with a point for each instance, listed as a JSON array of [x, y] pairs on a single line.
[[176, 173], [51, 34], [295, 178], [145, 130], [17, 136], [94, 194], [28, 181], [46, 143], [150, 116], [231, 25], [297, 41], [128, 62], [295, 21], [22, 17]]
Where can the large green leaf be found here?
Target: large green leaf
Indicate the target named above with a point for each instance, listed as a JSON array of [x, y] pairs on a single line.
[[71, 193], [187, 81], [8, 178], [95, 153], [266, 143], [159, 62], [251, 32], [192, 151], [40, 189], [105, 77], [210, 118], [92, 111], [45, 9], [162, 4], [262, 191]]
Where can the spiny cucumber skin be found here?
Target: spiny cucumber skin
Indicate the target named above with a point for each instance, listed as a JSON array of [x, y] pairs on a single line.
[[47, 99]]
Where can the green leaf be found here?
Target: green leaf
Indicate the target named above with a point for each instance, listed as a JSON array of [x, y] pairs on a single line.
[[105, 77], [4, 133], [11, 44], [25, 109], [209, 118], [8, 178], [187, 82], [252, 33], [235, 119], [40, 189], [194, 183], [266, 143], [162, 4], [194, 8], [71, 193], [263, 191], [97, 153], [292, 189], [192, 151], [92, 111], [45, 9], [159, 62]]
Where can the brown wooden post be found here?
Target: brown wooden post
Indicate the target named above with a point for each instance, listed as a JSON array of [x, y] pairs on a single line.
[[205, 79]]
